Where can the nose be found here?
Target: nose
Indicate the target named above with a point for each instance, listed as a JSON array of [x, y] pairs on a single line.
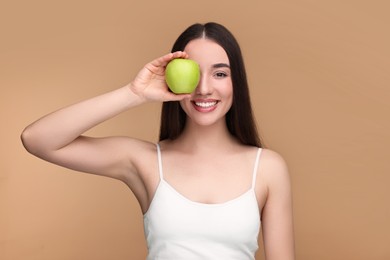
[[204, 87]]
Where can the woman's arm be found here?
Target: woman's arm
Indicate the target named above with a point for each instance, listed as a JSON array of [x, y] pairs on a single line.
[[58, 138], [277, 217]]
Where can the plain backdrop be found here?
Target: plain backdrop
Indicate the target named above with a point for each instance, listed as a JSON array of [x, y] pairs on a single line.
[[319, 80]]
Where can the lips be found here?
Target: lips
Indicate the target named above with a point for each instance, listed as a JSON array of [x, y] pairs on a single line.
[[205, 105]]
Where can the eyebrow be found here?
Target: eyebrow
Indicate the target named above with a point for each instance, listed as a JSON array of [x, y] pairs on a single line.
[[220, 65]]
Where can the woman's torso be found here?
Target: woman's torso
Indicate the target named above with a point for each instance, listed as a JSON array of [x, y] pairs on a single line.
[[206, 212]]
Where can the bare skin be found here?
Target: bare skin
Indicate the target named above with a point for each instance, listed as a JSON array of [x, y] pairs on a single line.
[[58, 138]]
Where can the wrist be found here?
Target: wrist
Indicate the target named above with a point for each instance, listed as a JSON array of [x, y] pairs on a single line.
[[136, 98]]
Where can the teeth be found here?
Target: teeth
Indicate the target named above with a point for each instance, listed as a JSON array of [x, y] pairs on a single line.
[[206, 104]]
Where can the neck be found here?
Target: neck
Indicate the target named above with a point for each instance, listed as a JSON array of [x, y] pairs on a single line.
[[200, 138]]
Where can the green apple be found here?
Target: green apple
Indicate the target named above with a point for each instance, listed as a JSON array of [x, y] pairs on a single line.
[[182, 75]]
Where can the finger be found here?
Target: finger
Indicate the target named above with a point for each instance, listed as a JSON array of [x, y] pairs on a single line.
[[171, 56], [180, 54], [164, 60], [177, 97]]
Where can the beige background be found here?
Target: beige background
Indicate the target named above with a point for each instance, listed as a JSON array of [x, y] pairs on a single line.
[[319, 77]]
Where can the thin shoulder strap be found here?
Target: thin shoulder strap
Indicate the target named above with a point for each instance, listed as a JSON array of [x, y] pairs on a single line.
[[160, 171], [256, 168]]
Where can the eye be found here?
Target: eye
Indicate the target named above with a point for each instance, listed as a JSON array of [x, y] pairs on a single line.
[[220, 74]]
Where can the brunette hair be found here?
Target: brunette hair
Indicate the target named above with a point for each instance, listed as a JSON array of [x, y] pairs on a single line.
[[239, 119]]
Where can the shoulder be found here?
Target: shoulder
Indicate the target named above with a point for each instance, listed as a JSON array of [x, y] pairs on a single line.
[[128, 148], [134, 154], [140, 152], [273, 160], [142, 158], [273, 169], [141, 145]]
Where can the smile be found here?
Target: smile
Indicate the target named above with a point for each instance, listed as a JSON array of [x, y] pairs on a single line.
[[206, 104]]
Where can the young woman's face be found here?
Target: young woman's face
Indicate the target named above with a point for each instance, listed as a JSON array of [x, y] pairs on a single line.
[[213, 96]]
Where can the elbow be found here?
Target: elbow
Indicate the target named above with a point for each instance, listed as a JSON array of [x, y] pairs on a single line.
[[35, 142], [29, 141]]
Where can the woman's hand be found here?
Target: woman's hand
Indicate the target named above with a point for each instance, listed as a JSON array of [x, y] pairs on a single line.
[[150, 83]]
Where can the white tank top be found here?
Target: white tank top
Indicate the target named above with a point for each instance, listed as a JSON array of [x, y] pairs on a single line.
[[178, 228]]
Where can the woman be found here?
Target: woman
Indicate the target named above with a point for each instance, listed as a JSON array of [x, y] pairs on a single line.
[[207, 186]]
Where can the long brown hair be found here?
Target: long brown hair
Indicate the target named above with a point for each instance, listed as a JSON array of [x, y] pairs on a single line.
[[239, 119]]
